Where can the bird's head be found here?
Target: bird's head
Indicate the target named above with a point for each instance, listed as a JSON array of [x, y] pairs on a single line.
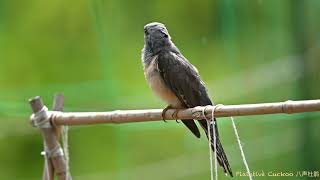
[[156, 37]]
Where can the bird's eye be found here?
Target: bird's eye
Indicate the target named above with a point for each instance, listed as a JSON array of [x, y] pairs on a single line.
[[146, 32], [164, 33]]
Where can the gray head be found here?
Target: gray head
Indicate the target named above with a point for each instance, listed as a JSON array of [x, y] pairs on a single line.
[[156, 37]]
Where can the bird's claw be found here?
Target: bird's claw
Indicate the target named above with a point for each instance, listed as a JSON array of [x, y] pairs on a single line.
[[174, 115], [164, 113]]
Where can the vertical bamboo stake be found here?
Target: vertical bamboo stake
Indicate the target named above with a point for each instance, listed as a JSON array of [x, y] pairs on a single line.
[[58, 102], [51, 142]]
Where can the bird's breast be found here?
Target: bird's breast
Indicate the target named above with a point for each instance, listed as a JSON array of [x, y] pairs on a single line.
[[158, 85]]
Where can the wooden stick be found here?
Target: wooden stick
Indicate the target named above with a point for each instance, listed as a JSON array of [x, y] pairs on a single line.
[[126, 116], [58, 103], [57, 106], [50, 140]]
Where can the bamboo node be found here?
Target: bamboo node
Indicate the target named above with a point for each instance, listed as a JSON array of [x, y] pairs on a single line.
[[196, 112], [287, 107]]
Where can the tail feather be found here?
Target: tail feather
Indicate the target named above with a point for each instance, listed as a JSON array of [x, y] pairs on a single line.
[[221, 156], [191, 125]]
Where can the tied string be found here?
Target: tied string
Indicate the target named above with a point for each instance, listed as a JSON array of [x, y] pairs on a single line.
[[41, 119], [241, 149], [211, 124], [56, 151]]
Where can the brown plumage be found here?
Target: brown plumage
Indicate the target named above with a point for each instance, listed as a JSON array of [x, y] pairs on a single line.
[[176, 81]]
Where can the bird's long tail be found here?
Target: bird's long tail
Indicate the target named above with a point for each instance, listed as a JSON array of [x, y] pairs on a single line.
[[221, 156]]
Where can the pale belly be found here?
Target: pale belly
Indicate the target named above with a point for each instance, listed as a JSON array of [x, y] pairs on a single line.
[[159, 87]]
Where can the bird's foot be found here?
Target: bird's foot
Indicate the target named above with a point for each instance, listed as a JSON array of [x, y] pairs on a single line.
[[164, 112], [175, 115]]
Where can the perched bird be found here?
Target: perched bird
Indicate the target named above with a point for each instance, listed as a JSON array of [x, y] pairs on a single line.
[[176, 81]]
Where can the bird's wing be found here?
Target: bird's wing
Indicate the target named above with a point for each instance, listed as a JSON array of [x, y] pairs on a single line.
[[183, 79]]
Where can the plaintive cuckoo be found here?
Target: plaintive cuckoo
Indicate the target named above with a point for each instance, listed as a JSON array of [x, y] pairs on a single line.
[[176, 81]]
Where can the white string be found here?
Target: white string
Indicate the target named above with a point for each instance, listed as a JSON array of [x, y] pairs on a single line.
[[209, 123], [214, 142], [66, 150], [241, 148], [210, 149]]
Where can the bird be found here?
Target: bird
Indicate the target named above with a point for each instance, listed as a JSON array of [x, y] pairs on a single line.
[[177, 82]]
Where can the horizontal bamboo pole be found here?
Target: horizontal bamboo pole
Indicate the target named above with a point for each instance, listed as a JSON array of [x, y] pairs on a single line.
[[127, 116]]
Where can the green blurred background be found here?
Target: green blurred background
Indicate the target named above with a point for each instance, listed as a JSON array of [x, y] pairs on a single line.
[[246, 51]]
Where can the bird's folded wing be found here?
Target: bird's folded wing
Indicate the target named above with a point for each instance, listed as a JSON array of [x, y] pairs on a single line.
[[183, 80]]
